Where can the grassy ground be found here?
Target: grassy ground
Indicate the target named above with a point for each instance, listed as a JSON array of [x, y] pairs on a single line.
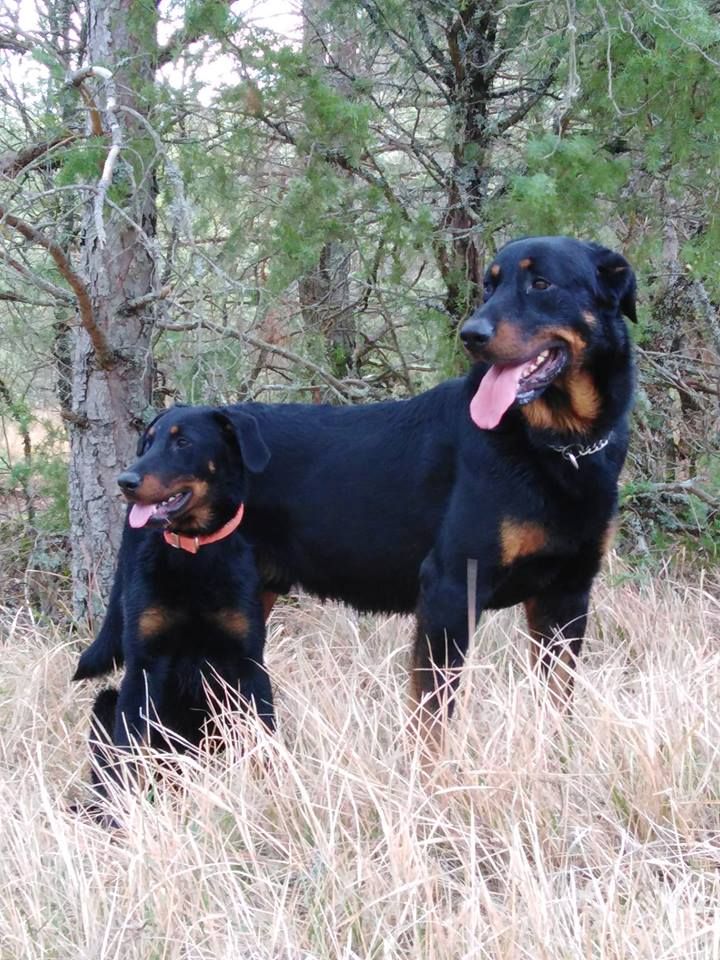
[[532, 837]]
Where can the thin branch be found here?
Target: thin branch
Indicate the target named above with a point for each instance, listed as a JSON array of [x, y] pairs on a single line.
[[139, 303], [526, 106], [682, 487], [178, 42], [87, 317], [31, 277], [109, 165], [14, 161], [77, 80], [339, 388], [8, 296]]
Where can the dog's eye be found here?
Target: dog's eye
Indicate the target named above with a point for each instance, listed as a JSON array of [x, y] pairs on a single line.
[[539, 283], [182, 442]]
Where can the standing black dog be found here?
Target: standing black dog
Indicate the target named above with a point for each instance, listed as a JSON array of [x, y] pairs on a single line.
[[184, 614], [487, 491]]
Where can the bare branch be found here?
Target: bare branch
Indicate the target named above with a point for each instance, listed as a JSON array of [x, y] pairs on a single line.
[[31, 277], [14, 161], [77, 80], [87, 317], [339, 387], [139, 303]]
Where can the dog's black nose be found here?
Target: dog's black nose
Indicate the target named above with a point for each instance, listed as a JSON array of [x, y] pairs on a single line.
[[129, 480], [476, 332]]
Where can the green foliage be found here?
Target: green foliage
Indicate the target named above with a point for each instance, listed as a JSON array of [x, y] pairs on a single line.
[[210, 17], [82, 162], [566, 182]]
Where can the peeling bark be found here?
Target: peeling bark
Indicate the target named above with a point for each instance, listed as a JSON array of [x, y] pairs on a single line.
[[110, 395]]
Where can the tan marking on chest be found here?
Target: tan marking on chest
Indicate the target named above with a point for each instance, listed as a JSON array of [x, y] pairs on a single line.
[[520, 539]]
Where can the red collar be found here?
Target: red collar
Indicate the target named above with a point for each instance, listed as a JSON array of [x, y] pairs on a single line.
[[193, 544]]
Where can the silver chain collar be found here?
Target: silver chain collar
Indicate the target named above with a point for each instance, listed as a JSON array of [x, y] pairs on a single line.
[[573, 450]]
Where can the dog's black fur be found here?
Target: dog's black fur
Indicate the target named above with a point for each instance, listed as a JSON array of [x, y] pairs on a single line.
[[384, 505], [182, 623]]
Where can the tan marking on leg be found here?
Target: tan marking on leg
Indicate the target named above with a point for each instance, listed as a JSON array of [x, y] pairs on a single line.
[[268, 598], [558, 673], [520, 539], [609, 536], [155, 620], [560, 679], [232, 621]]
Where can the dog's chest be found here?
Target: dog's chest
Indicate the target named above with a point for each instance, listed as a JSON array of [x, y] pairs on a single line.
[[193, 603]]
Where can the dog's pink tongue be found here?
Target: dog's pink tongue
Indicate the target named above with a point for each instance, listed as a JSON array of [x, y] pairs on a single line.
[[496, 392], [140, 514]]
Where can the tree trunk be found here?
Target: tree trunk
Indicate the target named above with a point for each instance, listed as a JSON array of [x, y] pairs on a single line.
[[324, 291], [111, 390]]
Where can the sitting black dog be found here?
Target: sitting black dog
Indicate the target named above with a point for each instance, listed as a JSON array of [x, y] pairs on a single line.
[[487, 491], [185, 614]]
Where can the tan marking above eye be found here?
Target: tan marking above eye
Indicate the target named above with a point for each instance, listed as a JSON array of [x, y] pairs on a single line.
[[525, 263], [520, 538], [174, 429], [495, 270]]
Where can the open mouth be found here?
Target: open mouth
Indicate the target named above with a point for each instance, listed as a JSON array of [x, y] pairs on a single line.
[[515, 383], [539, 373], [161, 513]]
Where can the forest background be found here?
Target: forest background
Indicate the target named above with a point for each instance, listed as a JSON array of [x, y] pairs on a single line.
[[205, 202], [208, 202]]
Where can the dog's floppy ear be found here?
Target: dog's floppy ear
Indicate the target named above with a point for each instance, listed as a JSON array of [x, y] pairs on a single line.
[[144, 436], [617, 280], [255, 453]]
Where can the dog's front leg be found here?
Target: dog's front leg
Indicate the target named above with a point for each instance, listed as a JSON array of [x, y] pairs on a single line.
[[448, 603], [557, 619]]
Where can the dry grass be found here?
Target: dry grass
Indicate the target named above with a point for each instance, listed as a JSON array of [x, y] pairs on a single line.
[[533, 837]]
